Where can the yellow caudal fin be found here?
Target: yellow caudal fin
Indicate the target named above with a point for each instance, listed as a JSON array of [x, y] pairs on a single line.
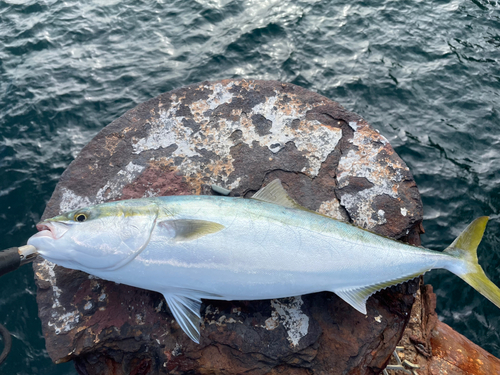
[[465, 249]]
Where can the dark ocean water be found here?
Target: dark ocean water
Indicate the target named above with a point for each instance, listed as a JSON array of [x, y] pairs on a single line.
[[424, 73]]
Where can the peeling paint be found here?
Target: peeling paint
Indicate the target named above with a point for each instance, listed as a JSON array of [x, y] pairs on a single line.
[[169, 129], [114, 187], [381, 215], [370, 160], [311, 136], [353, 125], [220, 95], [177, 350], [237, 310], [272, 322], [65, 322], [404, 211], [158, 308], [208, 310], [49, 269], [222, 321], [291, 316], [362, 202], [139, 318], [60, 320], [331, 208], [210, 317], [70, 201]]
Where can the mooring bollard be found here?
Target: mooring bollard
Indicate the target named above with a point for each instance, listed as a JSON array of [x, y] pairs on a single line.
[[239, 135]]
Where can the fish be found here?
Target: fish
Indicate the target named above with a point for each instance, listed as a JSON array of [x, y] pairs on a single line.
[[196, 247]]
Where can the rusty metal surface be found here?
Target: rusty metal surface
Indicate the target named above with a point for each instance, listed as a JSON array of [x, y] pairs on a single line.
[[454, 354], [417, 335], [436, 348], [239, 134]]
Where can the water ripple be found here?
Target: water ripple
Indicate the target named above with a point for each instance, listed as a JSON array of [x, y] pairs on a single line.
[[425, 74]]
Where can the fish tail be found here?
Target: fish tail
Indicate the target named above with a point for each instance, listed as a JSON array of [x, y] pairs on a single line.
[[464, 248]]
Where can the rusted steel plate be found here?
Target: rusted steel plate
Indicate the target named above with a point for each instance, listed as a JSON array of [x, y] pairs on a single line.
[[454, 354], [239, 134]]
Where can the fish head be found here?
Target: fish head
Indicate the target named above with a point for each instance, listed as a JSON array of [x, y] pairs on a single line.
[[105, 236]]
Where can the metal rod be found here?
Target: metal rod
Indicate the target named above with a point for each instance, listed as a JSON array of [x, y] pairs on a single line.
[[11, 259]]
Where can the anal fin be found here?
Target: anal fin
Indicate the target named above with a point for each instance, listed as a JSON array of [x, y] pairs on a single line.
[[357, 296], [186, 311]]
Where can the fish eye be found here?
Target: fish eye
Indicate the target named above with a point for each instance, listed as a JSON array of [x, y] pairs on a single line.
[[80, 217]]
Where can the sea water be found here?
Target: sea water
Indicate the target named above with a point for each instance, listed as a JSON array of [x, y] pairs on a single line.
[[426, 74]]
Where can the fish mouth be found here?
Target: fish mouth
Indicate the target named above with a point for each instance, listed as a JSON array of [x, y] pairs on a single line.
[[51, 229]]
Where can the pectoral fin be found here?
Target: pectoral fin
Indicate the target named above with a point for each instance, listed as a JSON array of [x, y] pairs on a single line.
[[186, 311], [357, 296], [187, 230]]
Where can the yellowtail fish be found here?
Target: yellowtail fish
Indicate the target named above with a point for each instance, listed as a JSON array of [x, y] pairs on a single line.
[[194, 247]]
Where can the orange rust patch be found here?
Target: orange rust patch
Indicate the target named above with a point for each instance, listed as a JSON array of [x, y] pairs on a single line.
[[197, 110], [112, 141], [243, 83]]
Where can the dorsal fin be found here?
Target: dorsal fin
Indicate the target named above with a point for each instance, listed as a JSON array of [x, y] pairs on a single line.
[[274, 192]]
